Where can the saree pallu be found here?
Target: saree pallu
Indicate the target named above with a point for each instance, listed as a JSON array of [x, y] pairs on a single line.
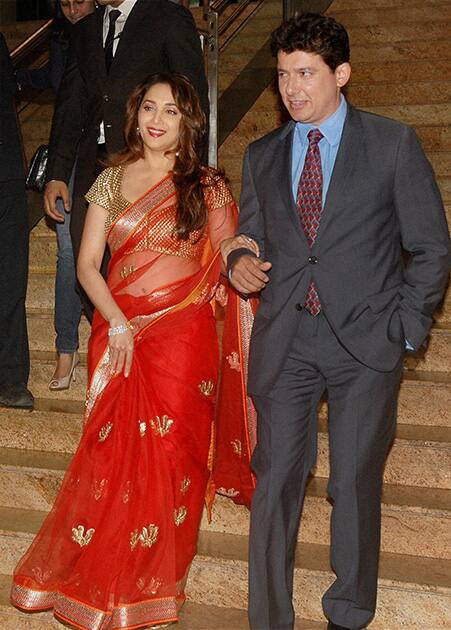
[[116, 548]]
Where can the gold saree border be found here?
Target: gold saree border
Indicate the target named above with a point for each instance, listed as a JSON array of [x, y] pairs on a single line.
[[121, 617]]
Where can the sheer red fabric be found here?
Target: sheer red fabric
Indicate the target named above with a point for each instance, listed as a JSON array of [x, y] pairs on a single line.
[[116, 548]]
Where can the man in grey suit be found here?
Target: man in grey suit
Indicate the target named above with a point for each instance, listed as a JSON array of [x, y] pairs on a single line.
[[329, 201]]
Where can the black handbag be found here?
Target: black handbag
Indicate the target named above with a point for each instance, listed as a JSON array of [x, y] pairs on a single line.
[[38, 166]]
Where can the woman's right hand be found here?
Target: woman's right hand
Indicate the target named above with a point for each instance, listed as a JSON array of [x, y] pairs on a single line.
[[121, 347]]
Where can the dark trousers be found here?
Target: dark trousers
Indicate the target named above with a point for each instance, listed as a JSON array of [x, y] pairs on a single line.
[[79, 209], [14, 355], [362, 418]]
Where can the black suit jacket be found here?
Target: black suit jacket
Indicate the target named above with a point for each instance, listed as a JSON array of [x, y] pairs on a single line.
[[159, 36], [382, 199], [11, 155]]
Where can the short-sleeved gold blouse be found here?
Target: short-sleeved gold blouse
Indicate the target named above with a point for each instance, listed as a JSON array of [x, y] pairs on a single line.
[[106, 192]]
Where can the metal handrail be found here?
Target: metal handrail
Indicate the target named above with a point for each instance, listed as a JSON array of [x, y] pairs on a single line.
[[24, 49]]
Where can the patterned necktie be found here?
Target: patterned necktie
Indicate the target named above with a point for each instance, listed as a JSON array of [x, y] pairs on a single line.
[[309, 204], [109, 42]]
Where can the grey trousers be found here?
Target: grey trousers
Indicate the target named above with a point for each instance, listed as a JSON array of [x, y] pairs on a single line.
[[362, 419]]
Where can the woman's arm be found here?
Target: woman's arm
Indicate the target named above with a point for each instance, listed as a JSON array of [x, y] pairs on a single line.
[[90, 258]]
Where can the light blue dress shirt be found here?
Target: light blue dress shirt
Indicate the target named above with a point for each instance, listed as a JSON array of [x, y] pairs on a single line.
[[331, 129]]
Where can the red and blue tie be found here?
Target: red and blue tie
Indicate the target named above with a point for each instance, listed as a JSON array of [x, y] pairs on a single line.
[[309, 204]]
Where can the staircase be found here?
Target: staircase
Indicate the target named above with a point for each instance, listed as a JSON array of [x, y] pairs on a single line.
[[401, 58]]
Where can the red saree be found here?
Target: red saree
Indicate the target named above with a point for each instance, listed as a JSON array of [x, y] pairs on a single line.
[[116, 548]]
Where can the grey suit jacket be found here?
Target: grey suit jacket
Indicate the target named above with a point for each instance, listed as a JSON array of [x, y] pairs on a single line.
[[382, 199]]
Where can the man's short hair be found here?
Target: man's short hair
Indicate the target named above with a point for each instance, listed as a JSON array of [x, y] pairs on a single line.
[[313, 33]]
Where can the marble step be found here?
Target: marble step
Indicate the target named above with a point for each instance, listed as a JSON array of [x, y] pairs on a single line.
[[56, 423], [388, 71], [381, 16], [398, 93], [402, 32], [420, 456], [413, 522], [402, 51], [193, 616], [413, 592]]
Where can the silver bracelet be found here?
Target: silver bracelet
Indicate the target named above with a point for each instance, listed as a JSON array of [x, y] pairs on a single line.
[[117, 330]]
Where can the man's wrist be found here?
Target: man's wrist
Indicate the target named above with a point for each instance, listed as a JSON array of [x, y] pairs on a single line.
[[235, 255]]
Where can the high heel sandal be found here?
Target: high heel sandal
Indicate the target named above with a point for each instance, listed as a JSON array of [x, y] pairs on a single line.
[[58, 384]]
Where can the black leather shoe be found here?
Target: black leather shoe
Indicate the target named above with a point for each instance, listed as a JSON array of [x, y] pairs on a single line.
[[333, 626], [16, 395]]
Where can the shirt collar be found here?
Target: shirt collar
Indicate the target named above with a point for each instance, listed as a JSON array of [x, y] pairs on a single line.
[[125, 8], [331, 128]]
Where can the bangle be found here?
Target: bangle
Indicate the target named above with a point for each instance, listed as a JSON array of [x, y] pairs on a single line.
[[117, 330]]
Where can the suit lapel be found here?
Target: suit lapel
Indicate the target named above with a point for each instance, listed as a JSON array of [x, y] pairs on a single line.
[[348, 156], [98, 53], [139, 16], [282, 174]]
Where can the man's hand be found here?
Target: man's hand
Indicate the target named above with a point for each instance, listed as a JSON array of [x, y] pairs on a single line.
[[248, 274], [236, 242], [56, 190]]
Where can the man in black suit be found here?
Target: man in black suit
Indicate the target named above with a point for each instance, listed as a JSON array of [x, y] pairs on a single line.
[[14, 355], [114, 49], [328, 203]]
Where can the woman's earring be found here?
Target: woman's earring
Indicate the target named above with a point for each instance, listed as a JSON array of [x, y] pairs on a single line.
[[177, 153], [138, 131]]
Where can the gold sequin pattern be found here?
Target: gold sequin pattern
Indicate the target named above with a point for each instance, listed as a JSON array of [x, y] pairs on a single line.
[[185, 485], [206, 388], [31, 599], [146, 537], [106, 192], [180, 515], [161, 426], [105, 431], [80, 537]]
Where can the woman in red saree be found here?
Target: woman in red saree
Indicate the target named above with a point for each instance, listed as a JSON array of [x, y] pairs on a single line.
[[116, 548]]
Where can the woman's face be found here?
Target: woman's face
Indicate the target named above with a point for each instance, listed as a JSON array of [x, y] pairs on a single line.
[[159, 119], [74, 10]]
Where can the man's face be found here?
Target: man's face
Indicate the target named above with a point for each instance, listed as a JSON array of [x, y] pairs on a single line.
[[310, 90]]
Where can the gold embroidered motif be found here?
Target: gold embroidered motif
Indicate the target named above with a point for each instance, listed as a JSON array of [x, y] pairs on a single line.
[[79, 536], [185, 485], [234, 361], [236, 446], [146, 538], [153, 586], [221, 295], [142, 428], [180, 515], [126, 495], [72, 483], [231, 492], [161, 426], [98, 487], [126, 271], [105, 431], [40, 575], [206, 387]]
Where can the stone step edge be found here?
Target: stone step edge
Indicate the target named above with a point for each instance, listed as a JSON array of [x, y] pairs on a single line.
[[432, 574]]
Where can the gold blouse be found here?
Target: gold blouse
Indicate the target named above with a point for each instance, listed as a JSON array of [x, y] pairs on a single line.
[[106, 192]]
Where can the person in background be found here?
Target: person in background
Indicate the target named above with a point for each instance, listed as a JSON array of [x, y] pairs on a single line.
[[116, 549], [14, 353], [114, 49], [67, 300]]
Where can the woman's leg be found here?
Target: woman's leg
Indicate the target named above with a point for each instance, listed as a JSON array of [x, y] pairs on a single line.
[[67, 300]]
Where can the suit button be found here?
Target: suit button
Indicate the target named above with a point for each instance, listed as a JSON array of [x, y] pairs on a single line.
[[106, 98], [313, 260], [298, 307]]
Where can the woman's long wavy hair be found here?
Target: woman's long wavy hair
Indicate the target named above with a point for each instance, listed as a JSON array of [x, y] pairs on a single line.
[[188, 171]]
